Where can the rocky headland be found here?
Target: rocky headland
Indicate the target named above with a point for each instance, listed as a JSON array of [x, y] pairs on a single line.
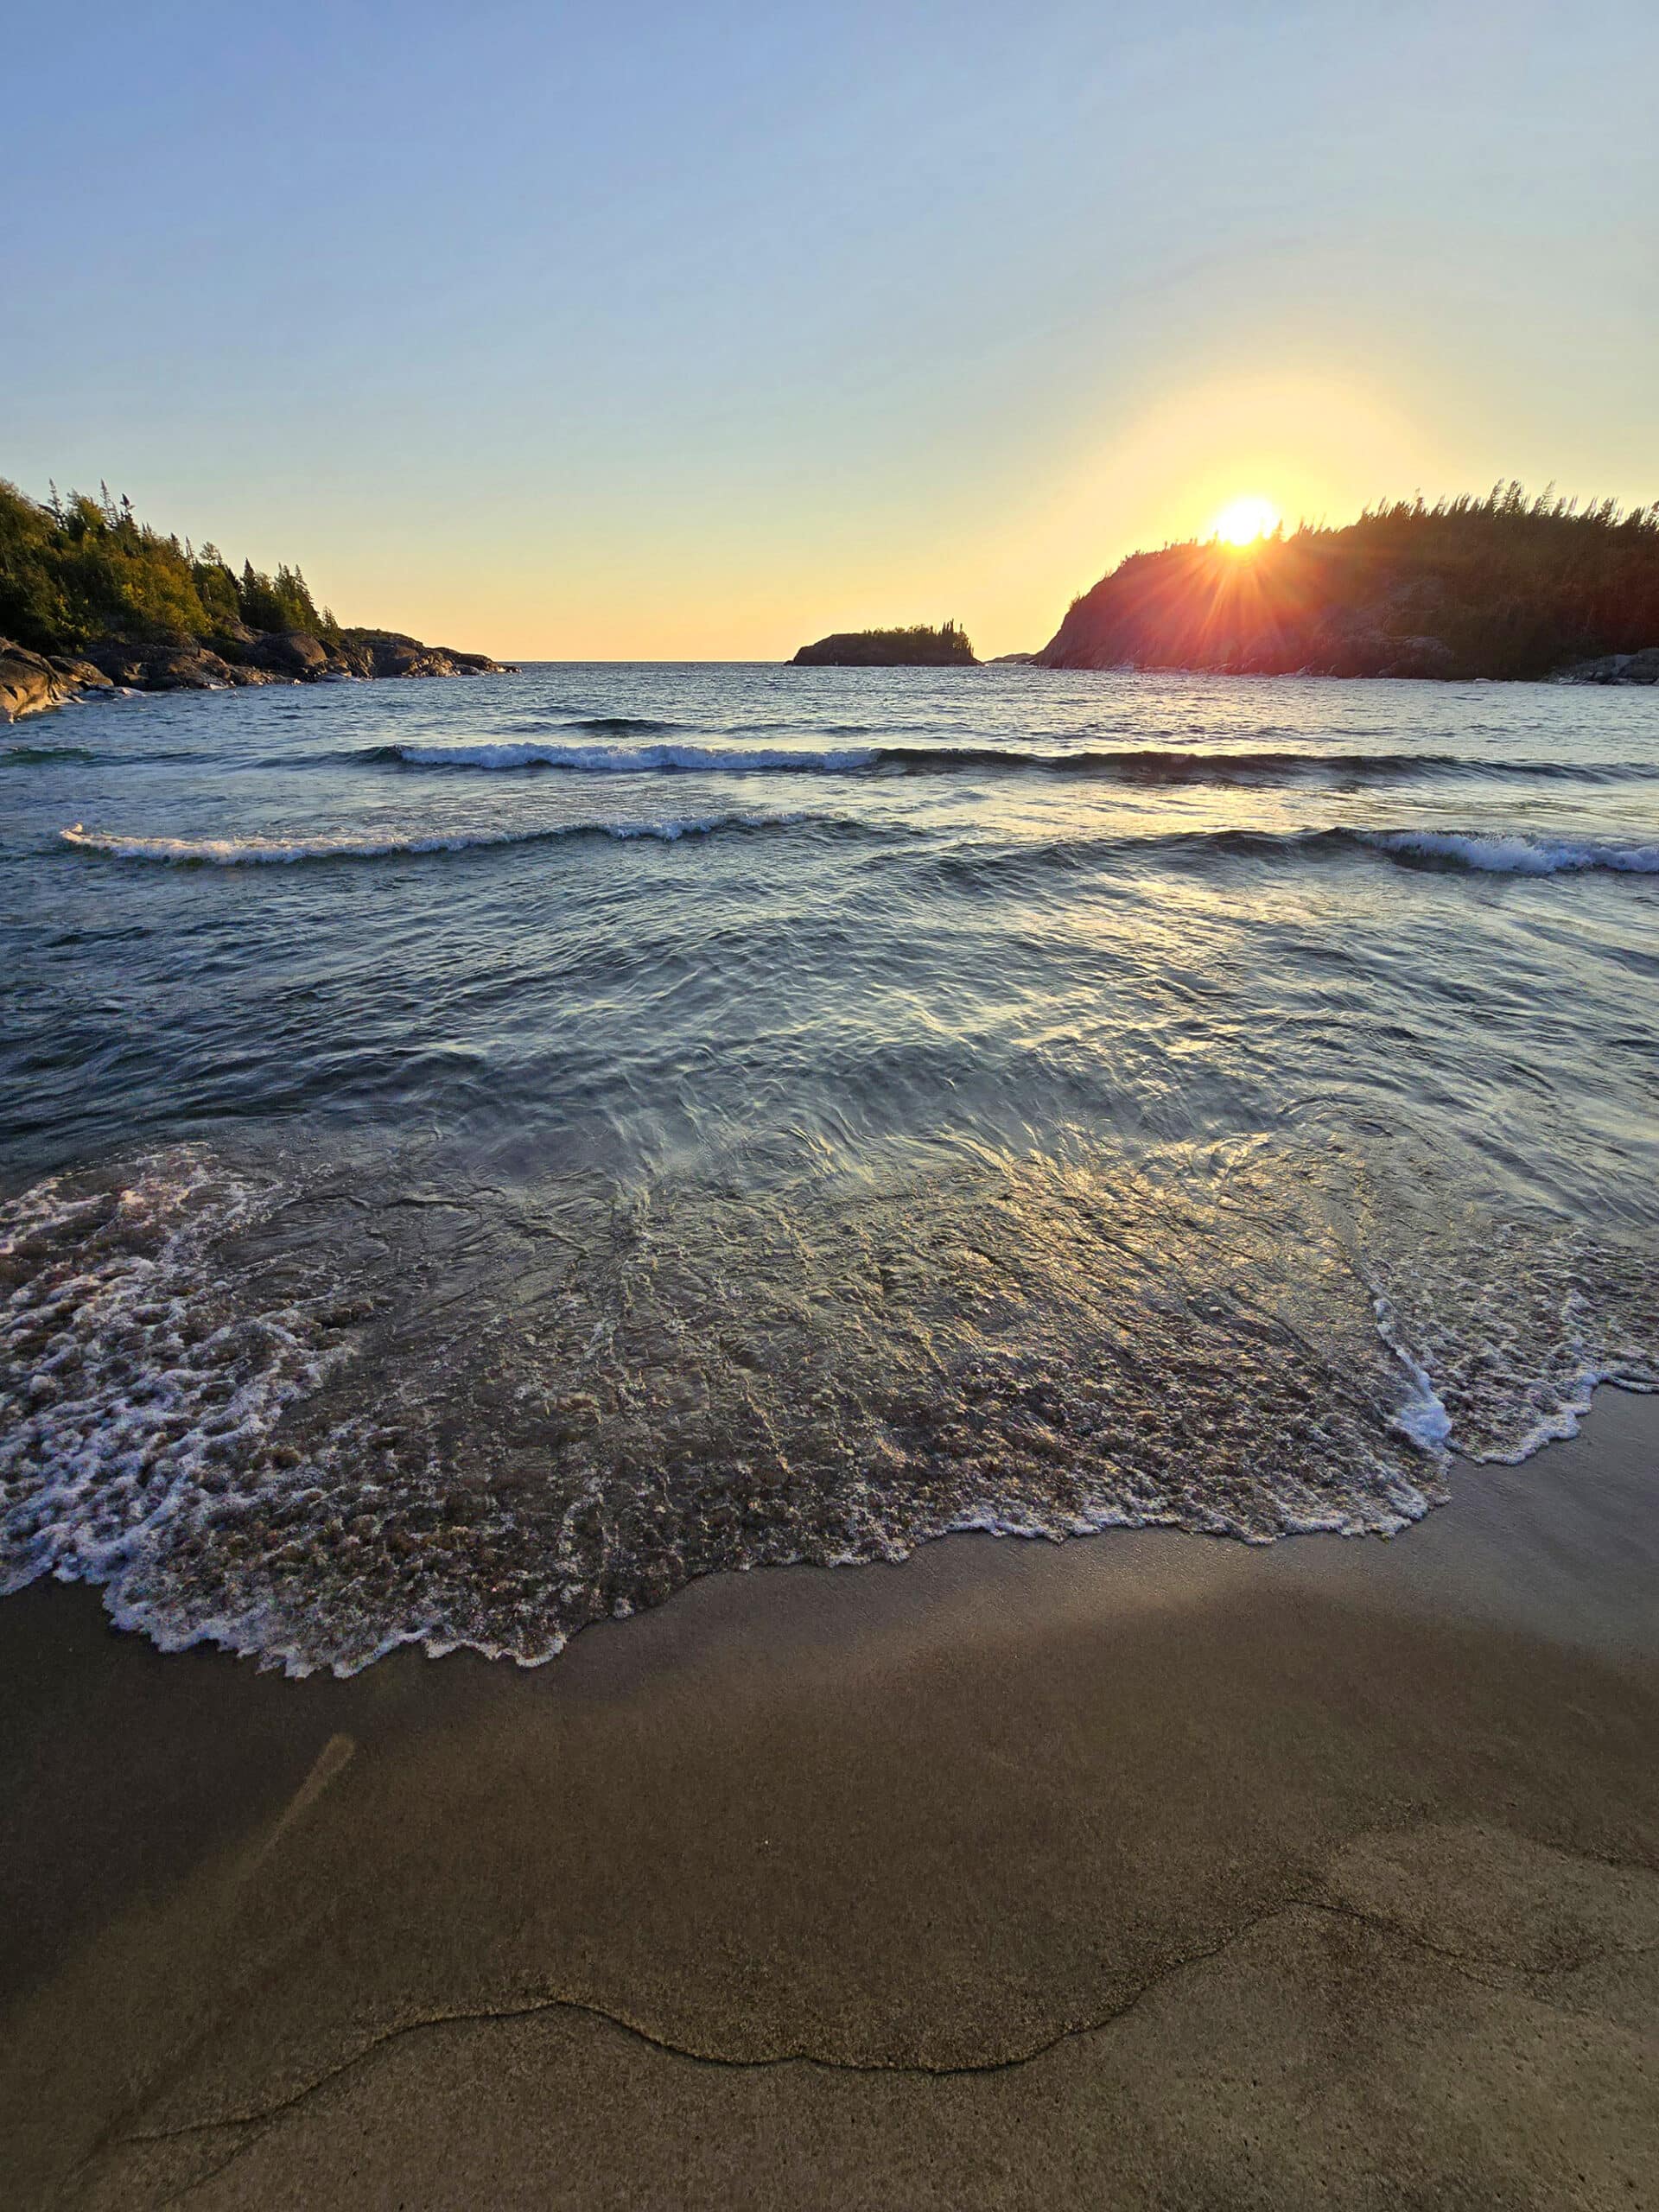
[[1501, 587], [93, 601], [919, 646]]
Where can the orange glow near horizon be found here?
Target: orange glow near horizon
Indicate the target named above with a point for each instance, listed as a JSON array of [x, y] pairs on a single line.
[[1244, 522]]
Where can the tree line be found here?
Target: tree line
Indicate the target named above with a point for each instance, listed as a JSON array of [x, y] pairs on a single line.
[[73, 569], [1504, 585]]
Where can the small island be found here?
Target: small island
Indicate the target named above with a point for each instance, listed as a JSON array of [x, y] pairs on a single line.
[[92, 600], [919, 646]]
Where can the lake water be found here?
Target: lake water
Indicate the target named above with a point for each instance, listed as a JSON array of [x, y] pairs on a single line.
[[479, 1153]]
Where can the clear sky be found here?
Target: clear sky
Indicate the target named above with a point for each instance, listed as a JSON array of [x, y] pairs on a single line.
[[655, 331]]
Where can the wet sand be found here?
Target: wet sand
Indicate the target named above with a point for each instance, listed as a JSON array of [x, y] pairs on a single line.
[[1142, 1870]]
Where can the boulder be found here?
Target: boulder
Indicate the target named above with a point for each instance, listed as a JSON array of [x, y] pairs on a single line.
[[121, 662], [401, 657], [289, 652], [162, 667], [28, 682], [390, 652], [186, 667], [1615, 668], [355, 656], [81, 674]]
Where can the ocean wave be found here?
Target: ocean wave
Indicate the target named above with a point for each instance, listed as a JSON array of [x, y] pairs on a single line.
[[45, 754], [237, 852], [1476, 852], [631, 759], [1454, 850], [1135, 764], [601, 725], [1516, 855]]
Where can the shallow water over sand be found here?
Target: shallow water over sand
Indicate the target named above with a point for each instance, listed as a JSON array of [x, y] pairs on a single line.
[[481, 1153]]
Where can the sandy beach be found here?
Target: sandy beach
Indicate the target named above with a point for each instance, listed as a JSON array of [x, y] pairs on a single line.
[[1142, 1870], [829, 1365]]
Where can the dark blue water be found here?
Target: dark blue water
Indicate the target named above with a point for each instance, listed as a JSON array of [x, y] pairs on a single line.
[[480, 1153]]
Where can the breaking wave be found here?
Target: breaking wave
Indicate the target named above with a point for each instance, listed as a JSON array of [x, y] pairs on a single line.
[[629, 760], [1452, 850], [1519, 855], [1134, 764], [241, 852]]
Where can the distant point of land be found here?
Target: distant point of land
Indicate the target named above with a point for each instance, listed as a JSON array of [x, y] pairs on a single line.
[[1501, 586], [916, 647]]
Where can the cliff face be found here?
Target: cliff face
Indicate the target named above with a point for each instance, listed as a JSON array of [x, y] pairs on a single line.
[[918, 647], [1495, 589]]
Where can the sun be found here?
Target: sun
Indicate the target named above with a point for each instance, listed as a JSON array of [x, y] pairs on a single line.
[[1241, 522]]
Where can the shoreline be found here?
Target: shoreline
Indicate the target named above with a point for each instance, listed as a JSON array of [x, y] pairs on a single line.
[[111, 668], [1137, 1869]]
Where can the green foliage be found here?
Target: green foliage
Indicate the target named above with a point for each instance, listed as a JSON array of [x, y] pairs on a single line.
[[281, 602], [80, 569], [1502, 586]]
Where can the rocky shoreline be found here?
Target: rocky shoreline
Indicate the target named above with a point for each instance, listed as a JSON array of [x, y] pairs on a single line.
[[1615, 668], [32, 682]]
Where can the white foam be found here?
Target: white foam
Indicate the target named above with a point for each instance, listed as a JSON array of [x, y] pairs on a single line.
[[128, 1384], [236, 852], [634, 759], [1515, 855]]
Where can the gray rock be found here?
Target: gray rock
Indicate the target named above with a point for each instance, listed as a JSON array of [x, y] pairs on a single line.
[[28, 682], [290, 652], [1615, 668], [162, 667], [81, 674]]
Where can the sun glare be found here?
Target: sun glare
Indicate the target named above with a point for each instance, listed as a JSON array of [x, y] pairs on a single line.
[[1241, 522]]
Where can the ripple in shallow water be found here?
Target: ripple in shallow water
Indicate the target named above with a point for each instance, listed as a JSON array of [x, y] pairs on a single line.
[[310, 1416]]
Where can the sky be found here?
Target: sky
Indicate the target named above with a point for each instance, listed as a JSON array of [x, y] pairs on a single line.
[[664, 332]]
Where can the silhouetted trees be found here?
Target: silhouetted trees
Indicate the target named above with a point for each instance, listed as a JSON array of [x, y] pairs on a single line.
[[1502, 586], [919, 645]]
